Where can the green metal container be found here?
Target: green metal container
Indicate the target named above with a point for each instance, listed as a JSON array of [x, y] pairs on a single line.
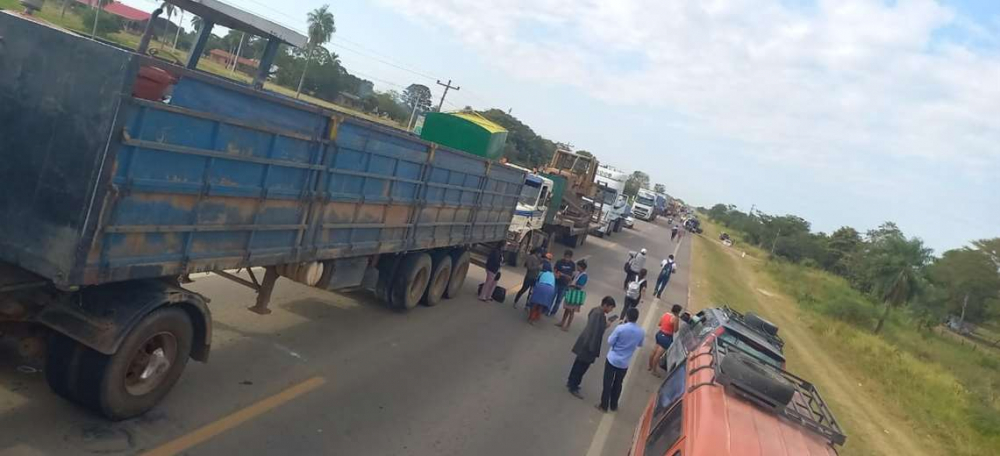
[[467, 132], [558, 190]]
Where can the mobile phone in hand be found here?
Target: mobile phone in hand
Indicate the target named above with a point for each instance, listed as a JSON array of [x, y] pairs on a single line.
[[613, 318]]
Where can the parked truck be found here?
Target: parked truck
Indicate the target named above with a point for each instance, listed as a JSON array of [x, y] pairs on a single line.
[[526, 230], [644, 205], [571, 210], [662, 200], [609, 215], [123, 172]]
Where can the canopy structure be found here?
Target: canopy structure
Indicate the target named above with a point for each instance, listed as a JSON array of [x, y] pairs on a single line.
[[215, 12]]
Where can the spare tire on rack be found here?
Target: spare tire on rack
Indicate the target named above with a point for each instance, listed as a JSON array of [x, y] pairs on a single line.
[[757, 322], [753, 378]]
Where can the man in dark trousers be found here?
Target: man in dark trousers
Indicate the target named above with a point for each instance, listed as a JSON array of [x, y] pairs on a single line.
[[624, 341], [565, 269], [533, 264], [588, 346]]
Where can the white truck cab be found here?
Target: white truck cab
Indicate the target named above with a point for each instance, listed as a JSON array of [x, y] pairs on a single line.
[[645, 205], [525, 232], [610, 200]]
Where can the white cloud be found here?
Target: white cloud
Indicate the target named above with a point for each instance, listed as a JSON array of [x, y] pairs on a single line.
[[814, 85]]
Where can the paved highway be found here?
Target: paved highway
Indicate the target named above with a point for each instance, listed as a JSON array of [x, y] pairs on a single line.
[[340, 374]]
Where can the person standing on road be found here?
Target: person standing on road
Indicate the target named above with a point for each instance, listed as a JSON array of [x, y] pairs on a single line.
[[635, 263], [575, 296], [673, 233], [493, 263], [667, 267], [624, 340], [533, 264], [588, 346], [634, 292], [543, 294], [565, 269], [669, 324]]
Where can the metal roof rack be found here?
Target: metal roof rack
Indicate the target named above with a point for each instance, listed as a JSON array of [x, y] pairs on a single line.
[[773, 339], [806, 407]]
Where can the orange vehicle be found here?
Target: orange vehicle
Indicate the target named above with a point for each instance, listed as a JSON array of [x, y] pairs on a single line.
[[723, 400]]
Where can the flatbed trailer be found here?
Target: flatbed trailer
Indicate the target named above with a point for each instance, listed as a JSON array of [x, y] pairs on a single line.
[[110, 199]]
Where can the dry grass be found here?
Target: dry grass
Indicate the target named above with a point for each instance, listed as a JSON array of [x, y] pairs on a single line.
[[942, 396]]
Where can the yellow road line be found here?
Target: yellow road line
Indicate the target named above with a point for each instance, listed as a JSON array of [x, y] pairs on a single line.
[[235, 419]]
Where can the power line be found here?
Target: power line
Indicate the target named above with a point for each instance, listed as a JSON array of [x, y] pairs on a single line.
[[377, 59]]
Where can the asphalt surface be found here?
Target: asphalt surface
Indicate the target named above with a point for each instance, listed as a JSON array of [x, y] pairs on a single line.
[[342, 375]]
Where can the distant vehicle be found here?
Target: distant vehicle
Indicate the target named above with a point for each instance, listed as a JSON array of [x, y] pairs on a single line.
[[726, 240], [693, 225], [643, 207], [727, 393], [662, 202], [629, 222]]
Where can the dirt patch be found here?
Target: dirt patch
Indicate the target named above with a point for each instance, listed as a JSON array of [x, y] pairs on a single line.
[[874, 428]]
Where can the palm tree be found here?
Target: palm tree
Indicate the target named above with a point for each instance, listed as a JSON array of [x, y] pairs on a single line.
[[897, 266], [321, 29], [196, 23], [169, 9]]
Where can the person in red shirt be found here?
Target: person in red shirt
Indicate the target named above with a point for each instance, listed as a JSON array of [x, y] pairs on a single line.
[[669, 323]]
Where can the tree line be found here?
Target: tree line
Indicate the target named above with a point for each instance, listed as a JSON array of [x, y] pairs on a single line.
[[884, 264]]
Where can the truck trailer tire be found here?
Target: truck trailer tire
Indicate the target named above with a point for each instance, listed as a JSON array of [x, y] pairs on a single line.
[[411, 281], [459, 269], [440, 276], [130, 382]]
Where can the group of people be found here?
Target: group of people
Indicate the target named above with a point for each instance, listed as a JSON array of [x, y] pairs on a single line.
[[550, 287]]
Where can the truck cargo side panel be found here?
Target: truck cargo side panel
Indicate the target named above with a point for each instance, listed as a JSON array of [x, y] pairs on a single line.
[[58, 100], [209, 186], [101, 187]]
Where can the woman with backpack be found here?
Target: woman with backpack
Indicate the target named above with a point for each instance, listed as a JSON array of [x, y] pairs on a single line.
[[667, 267], [634, 292]]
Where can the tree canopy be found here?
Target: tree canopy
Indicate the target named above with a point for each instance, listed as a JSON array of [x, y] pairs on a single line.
[[637, 180], [892, 269]]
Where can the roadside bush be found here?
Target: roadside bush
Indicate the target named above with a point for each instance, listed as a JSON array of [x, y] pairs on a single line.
[[106, 23], [859, 313]]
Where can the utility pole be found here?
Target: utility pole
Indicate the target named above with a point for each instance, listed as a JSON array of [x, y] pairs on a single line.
[[751, 209], [177, 35], [239, 49], [775, 241], [446, 88]]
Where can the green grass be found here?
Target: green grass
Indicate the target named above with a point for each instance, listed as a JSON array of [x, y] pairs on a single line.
[[945, 390]]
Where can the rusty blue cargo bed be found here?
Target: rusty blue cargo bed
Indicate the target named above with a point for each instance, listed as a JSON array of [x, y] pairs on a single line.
[[99, 186]]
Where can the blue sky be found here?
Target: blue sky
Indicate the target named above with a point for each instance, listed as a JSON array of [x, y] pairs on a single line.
[[843, 112]]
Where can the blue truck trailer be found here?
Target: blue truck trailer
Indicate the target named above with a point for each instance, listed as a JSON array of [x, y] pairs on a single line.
[[111, 197]]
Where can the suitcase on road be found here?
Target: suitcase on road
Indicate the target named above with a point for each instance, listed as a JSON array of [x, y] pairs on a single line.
[[499, 293]]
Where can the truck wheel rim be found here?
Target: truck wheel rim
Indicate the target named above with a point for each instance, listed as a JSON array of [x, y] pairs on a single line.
[[150, 363]]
